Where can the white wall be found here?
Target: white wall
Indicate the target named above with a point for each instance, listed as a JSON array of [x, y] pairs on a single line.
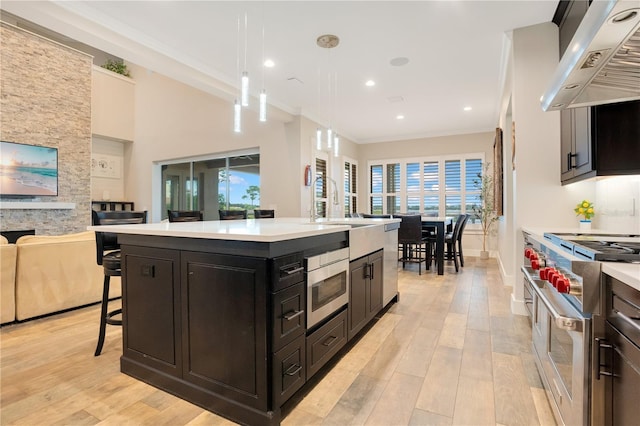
[[173, 121], [617, 204], [103, 188]]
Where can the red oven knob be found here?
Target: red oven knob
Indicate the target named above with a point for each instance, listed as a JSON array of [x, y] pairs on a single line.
[[527, 252], [550, 274], [543, 273], [562, 285], [535, 264]]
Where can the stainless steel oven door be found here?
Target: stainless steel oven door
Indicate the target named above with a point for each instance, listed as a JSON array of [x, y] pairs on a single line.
[[327, 290], [562, 352]]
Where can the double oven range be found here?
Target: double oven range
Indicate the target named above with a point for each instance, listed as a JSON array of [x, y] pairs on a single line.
[[570, 308]]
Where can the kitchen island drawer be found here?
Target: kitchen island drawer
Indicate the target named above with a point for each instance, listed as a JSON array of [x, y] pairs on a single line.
[[288, 370], [289, 316], [325, 342], [287, 271]]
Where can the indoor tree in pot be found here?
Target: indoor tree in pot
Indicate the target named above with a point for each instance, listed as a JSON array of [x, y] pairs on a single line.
[[485, 211]]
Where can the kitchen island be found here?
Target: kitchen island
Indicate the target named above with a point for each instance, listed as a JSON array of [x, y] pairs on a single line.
[[214, 312]]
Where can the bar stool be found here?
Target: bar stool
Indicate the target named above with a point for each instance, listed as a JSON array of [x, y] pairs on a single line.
[[185, 215], [232, 214], [264, 214], [108, 255]]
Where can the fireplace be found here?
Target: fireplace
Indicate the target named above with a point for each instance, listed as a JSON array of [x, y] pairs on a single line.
[[12, 236]]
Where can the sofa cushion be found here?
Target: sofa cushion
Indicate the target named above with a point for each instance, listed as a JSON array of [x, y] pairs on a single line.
[[55, 273], [7, 281]]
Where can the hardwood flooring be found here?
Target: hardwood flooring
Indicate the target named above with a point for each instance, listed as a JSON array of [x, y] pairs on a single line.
[[449, 353]]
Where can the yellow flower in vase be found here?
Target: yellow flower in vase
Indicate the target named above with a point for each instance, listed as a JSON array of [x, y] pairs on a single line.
[[585, 209]]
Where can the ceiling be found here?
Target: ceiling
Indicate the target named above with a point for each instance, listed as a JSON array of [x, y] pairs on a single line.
[[456, 52]]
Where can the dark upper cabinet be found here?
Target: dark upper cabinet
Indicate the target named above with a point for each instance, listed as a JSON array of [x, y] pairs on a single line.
[[603, 140], [575, 143]]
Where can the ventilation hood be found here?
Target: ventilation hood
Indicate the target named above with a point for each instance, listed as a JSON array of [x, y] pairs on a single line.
[[602, 63]]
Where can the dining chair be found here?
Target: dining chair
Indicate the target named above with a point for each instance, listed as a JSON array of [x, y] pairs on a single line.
[[376, 216], [264, 214], [232, 214], [185, 215], [453, 241], [411, 242], [109, 257]]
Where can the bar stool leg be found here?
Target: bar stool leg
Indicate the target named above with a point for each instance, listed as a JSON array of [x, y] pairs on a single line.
[[103, 314]]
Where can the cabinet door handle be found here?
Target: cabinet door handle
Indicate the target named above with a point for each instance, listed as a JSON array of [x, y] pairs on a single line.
[[291, 315], [293, 370], [602, 344], [371, 271], [570, 157], [293, 271], [329, 341]]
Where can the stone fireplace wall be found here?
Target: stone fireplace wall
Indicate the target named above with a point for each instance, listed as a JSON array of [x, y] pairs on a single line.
[[45, 99]]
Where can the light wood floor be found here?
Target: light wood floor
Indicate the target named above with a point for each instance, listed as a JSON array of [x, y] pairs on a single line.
[[450, 352]]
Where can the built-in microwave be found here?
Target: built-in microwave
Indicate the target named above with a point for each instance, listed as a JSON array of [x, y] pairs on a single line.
[[327, 284]]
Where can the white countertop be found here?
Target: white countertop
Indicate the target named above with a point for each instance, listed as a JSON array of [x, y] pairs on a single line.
[[628, 273], [261, 230]]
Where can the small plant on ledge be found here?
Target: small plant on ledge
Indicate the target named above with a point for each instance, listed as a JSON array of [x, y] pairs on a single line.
[[485, 211], [117, 66]]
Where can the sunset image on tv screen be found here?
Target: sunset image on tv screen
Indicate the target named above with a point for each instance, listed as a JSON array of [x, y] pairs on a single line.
[[28, 169]]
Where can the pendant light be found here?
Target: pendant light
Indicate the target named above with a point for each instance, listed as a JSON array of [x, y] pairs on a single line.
[[244, 83], [263, 93], [237, 110], [329, 41]]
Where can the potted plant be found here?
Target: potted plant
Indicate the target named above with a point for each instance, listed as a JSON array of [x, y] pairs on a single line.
[[585, 209], [485, 211], [117, 66]]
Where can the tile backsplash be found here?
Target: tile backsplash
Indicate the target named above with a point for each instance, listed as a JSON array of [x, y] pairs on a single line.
[[618, 203]]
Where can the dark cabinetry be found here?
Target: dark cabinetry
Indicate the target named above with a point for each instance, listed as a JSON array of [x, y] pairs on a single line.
[[603, 140], [203, 318], [575, 142], [152, 333], [365, 292], [620, 352], [223, 310]]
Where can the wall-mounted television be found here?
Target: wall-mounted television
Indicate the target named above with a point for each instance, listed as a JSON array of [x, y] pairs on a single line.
[[28, 170]]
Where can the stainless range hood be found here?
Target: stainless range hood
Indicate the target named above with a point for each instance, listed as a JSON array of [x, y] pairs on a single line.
[[602, 63]]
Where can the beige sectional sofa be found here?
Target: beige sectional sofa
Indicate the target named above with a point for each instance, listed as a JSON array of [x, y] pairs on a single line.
[[7, 281], [53, 273]]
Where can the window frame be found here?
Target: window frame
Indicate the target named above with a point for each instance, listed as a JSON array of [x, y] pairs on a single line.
[[404, 193], [353, 192]]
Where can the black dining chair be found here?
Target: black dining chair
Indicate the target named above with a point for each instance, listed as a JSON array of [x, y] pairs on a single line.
[[453, 241], [232, 214], [264, 214], [376, 216], [185, 215], [108, 255], [413, 245]]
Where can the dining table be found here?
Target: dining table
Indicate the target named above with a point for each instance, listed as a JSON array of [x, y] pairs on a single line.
[[442, 225]]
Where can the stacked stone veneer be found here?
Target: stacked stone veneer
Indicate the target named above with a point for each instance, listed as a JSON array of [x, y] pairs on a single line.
[[45, 99]]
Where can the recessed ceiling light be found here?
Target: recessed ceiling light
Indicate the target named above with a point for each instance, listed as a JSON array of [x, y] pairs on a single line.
[[269, 63], [467, 108], [399, 61], [399, 117], [370, 83]]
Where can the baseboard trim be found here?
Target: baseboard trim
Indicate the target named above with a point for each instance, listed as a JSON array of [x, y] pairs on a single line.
[[518, 307]]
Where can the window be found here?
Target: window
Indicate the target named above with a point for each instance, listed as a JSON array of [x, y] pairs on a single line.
[[321, 187], [385, 188], [430, 186], [225, 182], [350, 178]]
